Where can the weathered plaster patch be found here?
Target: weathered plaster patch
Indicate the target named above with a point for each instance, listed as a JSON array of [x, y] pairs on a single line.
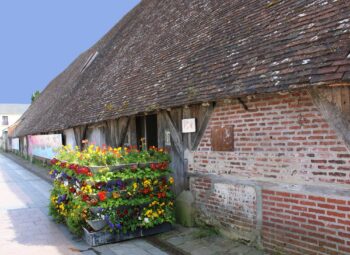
[[240, 198]]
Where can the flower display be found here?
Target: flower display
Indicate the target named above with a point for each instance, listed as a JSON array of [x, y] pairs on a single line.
[[86, 187]]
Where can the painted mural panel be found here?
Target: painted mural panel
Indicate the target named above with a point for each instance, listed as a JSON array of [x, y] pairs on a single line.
[[44, 146], [15, 144]]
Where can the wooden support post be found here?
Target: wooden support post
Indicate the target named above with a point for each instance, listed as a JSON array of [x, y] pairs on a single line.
[[161, 131], [80, 134], [132, 131], [124, 126], [111, 134], [177, 152], [186, 114]]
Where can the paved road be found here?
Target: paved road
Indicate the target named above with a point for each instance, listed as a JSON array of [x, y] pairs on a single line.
[[26, 228]]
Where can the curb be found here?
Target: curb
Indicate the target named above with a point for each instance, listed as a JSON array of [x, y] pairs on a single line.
[[165, 246]]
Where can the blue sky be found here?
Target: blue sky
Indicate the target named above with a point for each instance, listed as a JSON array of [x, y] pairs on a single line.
[[40, 38]]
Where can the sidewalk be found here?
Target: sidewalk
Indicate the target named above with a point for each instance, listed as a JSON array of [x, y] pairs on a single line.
[[197, 241], [180, 241]]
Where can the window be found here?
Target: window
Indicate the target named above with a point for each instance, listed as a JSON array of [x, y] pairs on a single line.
[[5, 120]]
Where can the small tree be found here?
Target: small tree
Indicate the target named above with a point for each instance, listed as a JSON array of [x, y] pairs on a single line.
[[35, 95]]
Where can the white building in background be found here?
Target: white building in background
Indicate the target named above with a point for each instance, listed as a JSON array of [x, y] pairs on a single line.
[[9, 114]]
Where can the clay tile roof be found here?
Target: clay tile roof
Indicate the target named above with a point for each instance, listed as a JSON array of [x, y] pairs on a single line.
[[169, 53]]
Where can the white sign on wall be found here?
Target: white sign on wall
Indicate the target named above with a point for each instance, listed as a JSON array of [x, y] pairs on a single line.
[[44, 146], [15, 144], [167, 138], [188, 125]]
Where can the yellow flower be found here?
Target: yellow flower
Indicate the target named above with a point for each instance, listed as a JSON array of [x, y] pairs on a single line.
[[87, 189], [146, 183], [155, 215], [171, 180], [149, 213], [61, 206], [155, 182], [135, 186], [115, 195], [53, 199], [154, 203]]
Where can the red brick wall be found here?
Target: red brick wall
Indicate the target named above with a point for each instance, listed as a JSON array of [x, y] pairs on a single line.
[[282, 139], [305, 224]]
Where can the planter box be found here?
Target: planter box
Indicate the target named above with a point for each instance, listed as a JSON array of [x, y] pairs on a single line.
[[97, 225], [101, 237]]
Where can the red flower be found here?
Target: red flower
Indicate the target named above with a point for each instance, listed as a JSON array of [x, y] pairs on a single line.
[[63, 165], [83, 170], [85, 197], [153, 166], [161, 195], [102, 195], [146, 191], [53, 161], [164, 181], [72, 189], [163, 166]]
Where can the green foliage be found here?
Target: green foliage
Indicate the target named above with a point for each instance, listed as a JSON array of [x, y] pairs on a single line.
[[35, 95]]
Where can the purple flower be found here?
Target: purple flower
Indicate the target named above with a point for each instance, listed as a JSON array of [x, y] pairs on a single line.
[[110, 224], [119, 183], [54, 173]]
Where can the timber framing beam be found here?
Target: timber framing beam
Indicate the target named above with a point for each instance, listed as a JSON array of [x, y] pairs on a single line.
[[339, 121], [240, 100], [174, 133], [202, 126]]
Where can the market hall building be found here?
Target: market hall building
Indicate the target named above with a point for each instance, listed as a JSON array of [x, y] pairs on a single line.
[[251, 98]]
